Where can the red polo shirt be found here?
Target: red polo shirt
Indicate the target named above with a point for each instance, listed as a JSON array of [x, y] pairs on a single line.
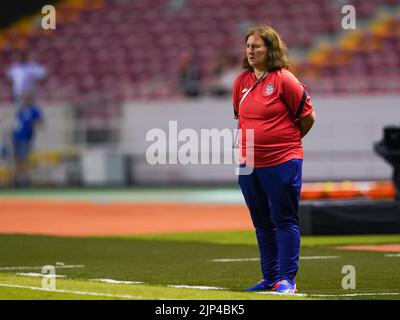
[[272, 108]]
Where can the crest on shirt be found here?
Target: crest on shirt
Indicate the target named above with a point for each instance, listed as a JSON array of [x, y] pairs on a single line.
[[269, 88]]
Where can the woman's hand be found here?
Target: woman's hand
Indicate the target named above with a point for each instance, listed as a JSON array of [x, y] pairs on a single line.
[[306, 123]]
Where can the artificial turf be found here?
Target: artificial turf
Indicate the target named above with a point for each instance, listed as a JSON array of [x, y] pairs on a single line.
[[186, 259]]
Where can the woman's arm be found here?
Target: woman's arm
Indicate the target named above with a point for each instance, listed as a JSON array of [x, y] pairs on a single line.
[[306, 123]]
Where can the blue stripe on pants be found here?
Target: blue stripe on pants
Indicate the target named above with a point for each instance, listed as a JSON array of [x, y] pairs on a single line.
[[272, 195]]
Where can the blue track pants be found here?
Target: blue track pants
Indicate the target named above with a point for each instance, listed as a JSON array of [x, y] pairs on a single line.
[[272, 195]]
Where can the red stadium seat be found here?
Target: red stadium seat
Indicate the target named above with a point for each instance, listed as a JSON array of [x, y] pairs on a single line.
[[118, 39]]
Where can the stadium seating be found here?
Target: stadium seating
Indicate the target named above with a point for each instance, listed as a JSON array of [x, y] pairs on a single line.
[[132, 48], [362, 63]]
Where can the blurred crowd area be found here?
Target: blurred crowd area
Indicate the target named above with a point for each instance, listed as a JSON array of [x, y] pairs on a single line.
[[70, 84], [162, 49]]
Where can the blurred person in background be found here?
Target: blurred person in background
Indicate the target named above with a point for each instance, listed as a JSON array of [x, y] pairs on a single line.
[[27, 118], [189, 76], [224, 74], [25, 76], [4, 149], [268, 99]]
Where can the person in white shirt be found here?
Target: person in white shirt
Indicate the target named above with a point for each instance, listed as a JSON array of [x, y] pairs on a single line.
[[25, 76]]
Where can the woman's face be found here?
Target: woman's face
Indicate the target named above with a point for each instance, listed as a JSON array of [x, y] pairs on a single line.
[[256, 51]]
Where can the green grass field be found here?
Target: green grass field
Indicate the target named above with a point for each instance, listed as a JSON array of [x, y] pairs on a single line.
[[186, 259]]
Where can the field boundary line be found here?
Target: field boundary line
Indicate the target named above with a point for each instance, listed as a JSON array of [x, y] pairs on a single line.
[[356, 294], [43, 275], [318, 257], [183, 286], [126, 296], [89, 293], [257, 259], [235, 260], [72, 266], [112, 281], [316, 295]]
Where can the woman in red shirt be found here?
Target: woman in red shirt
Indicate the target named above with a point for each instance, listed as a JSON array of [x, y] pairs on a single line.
[[269, 100]]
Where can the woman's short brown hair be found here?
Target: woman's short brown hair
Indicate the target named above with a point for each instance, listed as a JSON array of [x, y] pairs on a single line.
[[276, 58]]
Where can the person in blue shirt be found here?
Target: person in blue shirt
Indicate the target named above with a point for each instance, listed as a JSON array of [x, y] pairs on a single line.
[[27, 118]]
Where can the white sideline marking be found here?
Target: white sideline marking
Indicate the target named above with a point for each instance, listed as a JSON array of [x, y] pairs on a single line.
[[195, 287], [318, 257], [235, 260], [391, 255], [116, 281], [284, 294], [34, 274], [41, 267], [355, 294], [124, 296], [330, 295], [257, 259]]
